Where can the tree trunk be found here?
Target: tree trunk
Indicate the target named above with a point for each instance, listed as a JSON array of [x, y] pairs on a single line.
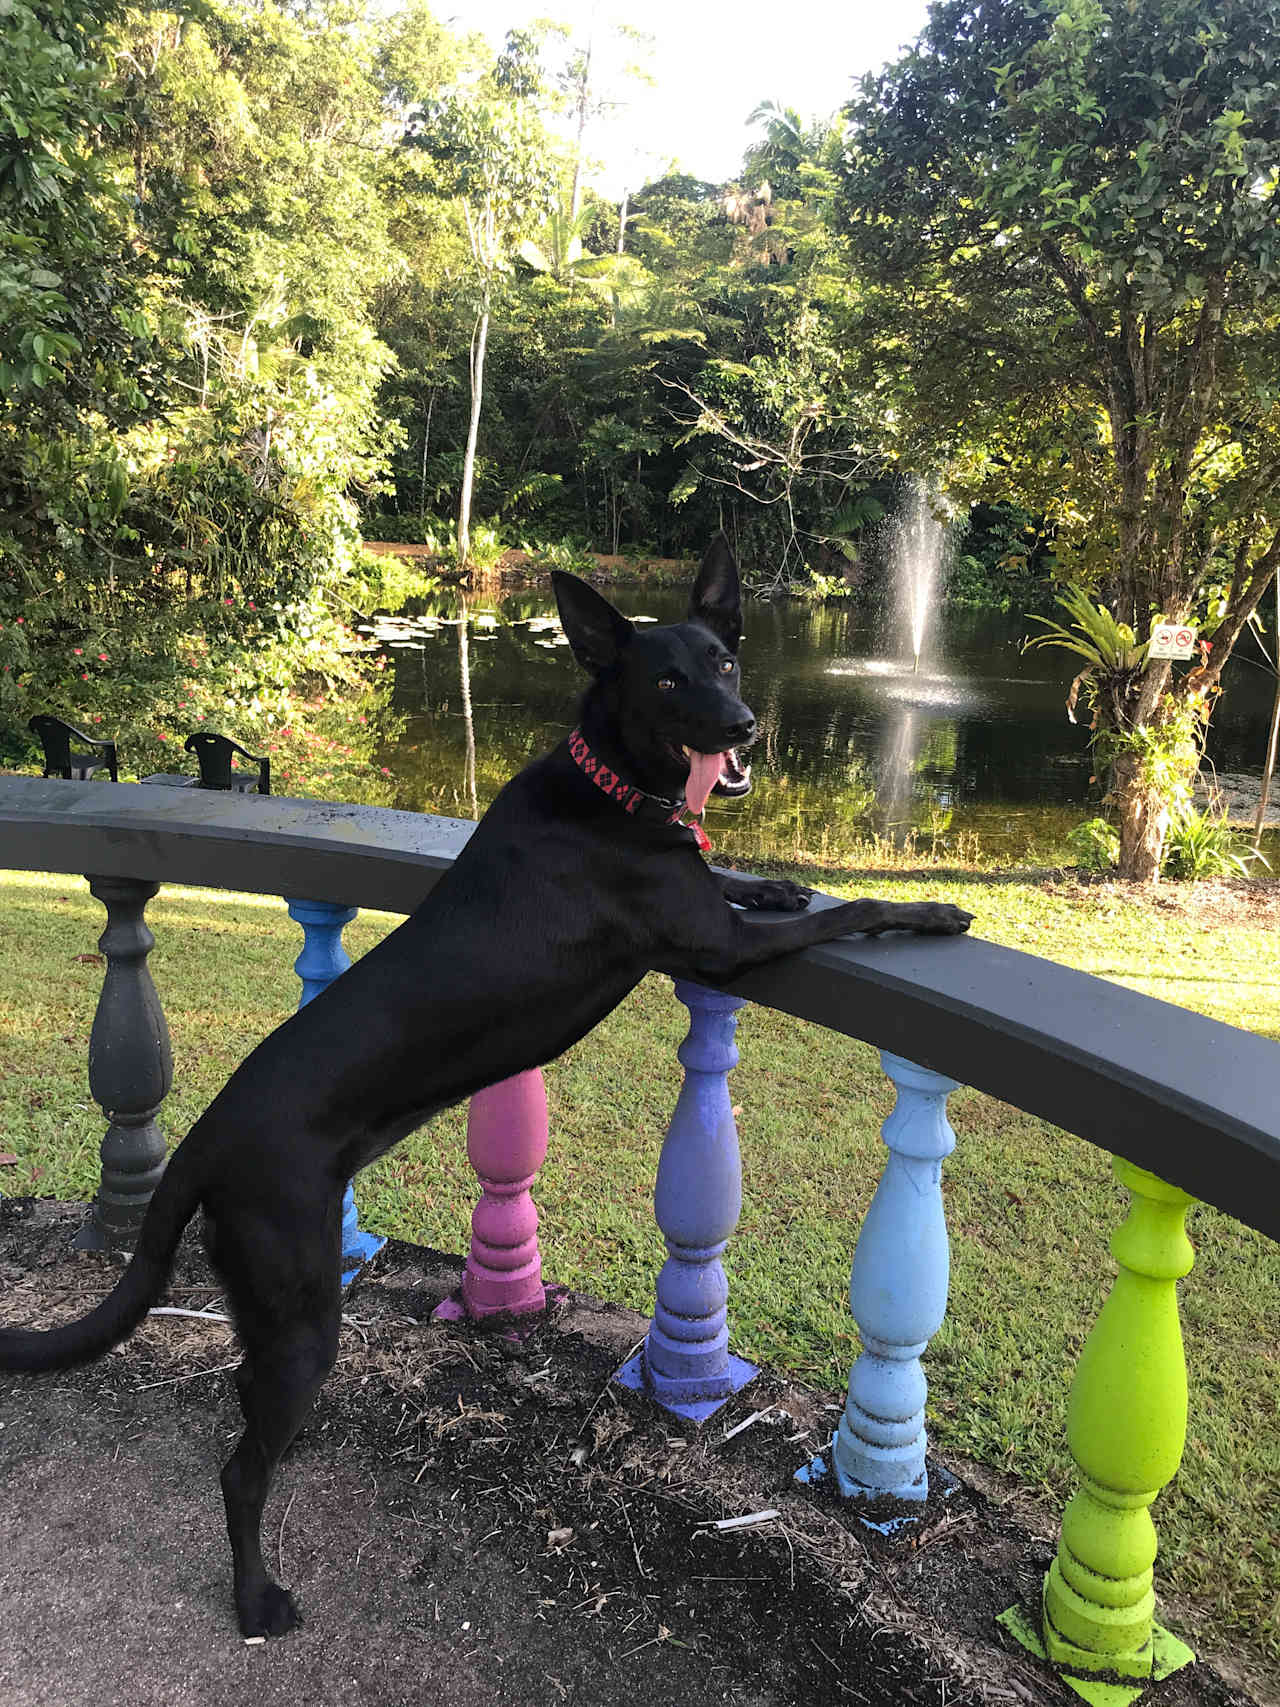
[[1143, 814], [426, 440], [584, 99], [1146, 785], [473, 431]]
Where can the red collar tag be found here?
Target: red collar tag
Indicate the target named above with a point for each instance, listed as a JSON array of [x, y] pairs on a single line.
[[700, 836]]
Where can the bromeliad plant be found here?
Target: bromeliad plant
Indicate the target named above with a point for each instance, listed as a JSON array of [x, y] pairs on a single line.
[[1114, 656]]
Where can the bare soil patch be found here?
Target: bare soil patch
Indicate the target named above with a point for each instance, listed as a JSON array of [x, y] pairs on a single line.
[[1248, 901]]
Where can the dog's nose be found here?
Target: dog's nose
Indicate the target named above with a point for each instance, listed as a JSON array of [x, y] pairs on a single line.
[[736, 734]]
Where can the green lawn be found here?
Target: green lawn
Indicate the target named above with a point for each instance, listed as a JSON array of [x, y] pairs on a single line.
[[1029, 1208]]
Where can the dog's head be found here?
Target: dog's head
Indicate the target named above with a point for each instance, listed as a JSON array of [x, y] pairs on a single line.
[[670, 691]]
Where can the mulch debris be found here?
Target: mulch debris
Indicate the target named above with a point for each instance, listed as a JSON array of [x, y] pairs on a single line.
[[471, 1517]]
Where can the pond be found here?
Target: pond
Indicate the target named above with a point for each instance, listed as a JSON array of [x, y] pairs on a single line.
[[971, 754]]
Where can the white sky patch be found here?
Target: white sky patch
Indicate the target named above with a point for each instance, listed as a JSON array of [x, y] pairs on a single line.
[[712, 63]]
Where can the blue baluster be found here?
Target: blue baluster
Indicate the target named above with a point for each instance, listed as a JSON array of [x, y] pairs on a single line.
[[898, 1296], [323, 957], [686, 1364]]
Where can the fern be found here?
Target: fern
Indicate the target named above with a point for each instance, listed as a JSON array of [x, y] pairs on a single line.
[[534, 490]]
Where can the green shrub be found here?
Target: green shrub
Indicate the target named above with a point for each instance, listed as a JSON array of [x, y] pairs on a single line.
[[393, 528], [1095, 844], [382, 581], [440, 537], [488, 547], [1202, 844], [569, 553], [823, 587]]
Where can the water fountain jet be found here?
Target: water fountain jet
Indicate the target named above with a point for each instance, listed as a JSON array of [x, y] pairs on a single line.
[[919, 542]]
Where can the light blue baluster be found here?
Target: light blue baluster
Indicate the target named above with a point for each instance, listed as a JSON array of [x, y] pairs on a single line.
[[322, 959], [898, 1296], [686, 1364]]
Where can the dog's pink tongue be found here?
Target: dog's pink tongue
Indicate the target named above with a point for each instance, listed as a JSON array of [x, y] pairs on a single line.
[[704, 774]]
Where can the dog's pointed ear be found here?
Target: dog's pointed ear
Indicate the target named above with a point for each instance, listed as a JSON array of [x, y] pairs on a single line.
[[716, 600], [596, 632]]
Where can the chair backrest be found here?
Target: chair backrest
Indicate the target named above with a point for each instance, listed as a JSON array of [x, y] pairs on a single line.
[[214, 754], [55, 738]]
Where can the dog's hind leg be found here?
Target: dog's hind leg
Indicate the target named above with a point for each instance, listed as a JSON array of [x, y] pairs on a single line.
[[286, 1297], [277, 1382]]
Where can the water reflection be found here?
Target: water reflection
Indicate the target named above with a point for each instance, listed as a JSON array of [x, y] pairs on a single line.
[[486, 622], [896, 771], [849, 739]]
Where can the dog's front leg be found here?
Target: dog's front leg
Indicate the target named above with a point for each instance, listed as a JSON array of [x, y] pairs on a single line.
[[742, 941]]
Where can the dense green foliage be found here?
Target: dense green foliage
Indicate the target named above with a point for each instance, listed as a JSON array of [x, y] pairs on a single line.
[[250, 259], [1063, 217], [274, 273], [189, 408]]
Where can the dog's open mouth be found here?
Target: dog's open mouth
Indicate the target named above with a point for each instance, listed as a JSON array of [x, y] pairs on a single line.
[[718, 773]]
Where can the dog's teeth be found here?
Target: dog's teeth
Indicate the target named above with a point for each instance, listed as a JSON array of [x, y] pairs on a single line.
[[686, 752]]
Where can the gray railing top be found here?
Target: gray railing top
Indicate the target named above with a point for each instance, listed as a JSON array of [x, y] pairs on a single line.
[[1195, 1101]]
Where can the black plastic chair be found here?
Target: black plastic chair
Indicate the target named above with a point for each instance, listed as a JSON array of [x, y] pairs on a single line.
[[214, 754], [61, 759]]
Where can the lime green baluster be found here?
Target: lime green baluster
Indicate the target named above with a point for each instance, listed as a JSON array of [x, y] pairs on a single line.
[[1126, 1426]]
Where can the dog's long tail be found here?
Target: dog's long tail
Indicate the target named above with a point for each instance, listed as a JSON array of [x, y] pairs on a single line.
[[175, 1201]]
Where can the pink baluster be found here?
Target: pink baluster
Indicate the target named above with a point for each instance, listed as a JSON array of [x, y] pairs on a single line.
[[506, 1144]]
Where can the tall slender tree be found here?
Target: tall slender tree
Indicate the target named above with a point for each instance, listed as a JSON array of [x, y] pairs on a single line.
[[493, 159]]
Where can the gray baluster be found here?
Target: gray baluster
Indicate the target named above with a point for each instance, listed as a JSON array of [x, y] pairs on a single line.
[[130, 1067]]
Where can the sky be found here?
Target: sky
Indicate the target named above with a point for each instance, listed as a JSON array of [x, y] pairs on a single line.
[[713, 62]]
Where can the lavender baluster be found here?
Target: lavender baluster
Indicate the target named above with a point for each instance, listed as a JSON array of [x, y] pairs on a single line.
[[506, 1144], [898, 1296], [322, 959], [686, 1364]]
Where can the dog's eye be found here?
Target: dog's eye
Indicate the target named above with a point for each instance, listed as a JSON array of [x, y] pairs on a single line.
[[726, 666], [666, 683]]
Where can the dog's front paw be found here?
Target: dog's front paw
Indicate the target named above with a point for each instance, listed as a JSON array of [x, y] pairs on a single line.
[[767, 894], [268, 1611], [942, 919], [780, 895]]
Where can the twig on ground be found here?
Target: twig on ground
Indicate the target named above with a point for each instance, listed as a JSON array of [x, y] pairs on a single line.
[[791, 1550], [196, 1315], [631, 1532], [600, 1396], [280, 1538], [749, 1520], [755, 1417], [191, 1375]]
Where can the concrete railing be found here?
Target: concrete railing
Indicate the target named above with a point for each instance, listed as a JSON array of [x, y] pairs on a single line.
[[1187, 1107]]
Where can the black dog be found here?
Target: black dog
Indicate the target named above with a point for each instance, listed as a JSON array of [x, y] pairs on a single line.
[[579, 880]]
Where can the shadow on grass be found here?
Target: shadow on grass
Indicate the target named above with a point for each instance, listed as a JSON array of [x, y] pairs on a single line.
[[816, 875]]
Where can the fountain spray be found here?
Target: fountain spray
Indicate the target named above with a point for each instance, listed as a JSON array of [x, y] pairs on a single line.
[[919, 548]]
